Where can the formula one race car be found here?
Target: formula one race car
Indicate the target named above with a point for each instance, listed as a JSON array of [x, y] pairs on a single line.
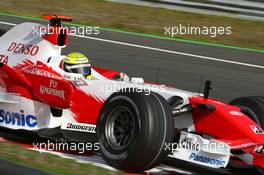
[[137, 124]]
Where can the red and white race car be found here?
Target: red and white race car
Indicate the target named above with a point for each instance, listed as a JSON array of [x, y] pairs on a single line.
[[137, 124]]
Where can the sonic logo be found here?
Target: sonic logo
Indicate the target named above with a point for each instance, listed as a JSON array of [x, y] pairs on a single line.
[[19, 119]]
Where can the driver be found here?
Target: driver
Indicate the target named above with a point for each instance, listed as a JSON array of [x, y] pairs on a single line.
[[78, 63]]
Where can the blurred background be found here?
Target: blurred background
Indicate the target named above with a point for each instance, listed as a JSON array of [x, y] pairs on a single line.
[[133, 39], [245, 16]]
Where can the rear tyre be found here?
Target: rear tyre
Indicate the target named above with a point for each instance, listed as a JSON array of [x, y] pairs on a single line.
[[133, 129], [252, 106]]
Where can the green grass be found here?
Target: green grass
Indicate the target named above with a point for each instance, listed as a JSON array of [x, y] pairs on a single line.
[[133, 18], [47, 162]]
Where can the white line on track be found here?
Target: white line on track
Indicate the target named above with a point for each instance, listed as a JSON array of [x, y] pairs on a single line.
[[7, 23], [161, 50], [174, 52]]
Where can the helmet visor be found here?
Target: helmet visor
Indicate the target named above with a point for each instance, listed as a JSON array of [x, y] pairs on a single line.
[[84, 69]]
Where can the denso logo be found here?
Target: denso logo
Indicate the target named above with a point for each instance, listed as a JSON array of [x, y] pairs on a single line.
[[26, 49], [19, 119]]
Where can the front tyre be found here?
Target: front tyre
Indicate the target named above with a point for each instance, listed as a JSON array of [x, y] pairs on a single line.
[[133, 129], [252, 106]]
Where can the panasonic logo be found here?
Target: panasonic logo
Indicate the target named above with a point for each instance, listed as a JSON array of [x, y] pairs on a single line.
[[18, 119], [206, 160]]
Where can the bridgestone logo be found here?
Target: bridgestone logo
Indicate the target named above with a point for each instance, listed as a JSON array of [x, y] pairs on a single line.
[[81, 127]]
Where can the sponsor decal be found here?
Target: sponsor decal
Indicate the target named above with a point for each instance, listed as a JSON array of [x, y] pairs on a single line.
[[26, 49], [259, 149], [51, 91], [187, 143], [80, 127], [17, 118], [79, 83], [256, 129], [207, 160], [196, 149], [237, 113], [3, 59], [40, 72]]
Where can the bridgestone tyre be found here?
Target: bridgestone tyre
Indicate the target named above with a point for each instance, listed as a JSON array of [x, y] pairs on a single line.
[[252, 106], [133, 129]]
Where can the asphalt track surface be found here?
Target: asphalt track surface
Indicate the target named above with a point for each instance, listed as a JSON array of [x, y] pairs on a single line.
[[9, 168], [180, 64], [169, 167], [234, 72]]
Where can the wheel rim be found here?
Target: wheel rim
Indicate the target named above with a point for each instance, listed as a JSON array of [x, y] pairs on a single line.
[[120, 128]]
